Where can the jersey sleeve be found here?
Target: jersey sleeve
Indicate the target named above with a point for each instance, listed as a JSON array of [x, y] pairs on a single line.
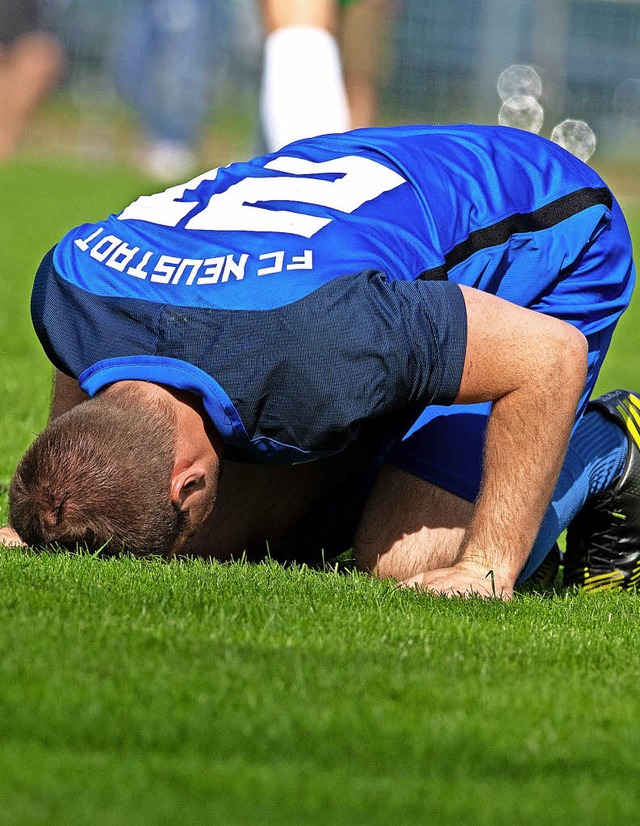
[[358, 350]]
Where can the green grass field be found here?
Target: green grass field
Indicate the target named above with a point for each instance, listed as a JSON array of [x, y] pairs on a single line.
[[144, 692]]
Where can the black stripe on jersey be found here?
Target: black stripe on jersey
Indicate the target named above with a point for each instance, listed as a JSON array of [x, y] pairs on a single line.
[[435, 274], [544, 218]]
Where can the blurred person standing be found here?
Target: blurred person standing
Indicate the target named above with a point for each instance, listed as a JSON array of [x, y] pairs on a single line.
[[31, 62], [164, 67], [364, 45], [304, 91]]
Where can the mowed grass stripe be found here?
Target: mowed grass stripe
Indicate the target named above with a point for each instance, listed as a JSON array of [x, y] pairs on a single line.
[[317, 688]]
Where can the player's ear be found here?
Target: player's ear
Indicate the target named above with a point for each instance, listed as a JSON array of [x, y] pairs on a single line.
[[186, 483]]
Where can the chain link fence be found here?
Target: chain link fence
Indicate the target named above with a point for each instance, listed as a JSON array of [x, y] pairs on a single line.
[[443, 62], [449, 54]]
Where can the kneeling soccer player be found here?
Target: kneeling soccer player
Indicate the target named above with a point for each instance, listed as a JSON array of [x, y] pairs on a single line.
[[437, 298]]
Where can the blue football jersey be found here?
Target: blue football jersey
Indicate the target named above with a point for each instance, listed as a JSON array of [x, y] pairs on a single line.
[[308, 294]]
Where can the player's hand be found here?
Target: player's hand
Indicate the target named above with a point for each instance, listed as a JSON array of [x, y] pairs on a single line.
[[461, 581], [9, 537]]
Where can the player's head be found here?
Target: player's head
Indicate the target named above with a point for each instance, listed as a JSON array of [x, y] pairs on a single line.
[[103, 476]]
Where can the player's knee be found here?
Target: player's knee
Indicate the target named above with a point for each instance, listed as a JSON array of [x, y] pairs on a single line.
[[372, 561], [367, 558], [571, 350]]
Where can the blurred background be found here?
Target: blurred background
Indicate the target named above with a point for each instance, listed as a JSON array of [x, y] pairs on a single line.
[[532, 63]]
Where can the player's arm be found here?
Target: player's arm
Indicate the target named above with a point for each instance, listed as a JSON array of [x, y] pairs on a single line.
[[66, 395], [10, 538], [533, 368]]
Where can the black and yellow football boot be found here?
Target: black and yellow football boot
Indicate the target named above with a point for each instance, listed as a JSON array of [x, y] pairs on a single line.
[[603, 541]]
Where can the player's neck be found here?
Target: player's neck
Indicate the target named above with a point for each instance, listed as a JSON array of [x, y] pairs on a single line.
[[196, 438]]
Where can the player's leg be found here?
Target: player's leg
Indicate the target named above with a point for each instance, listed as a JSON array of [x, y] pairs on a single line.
[[445, 448], [409, 526], [302, 91], [321, 14], [364, 45], [415, 520], [30, 68], [603, 540], [420, 507]]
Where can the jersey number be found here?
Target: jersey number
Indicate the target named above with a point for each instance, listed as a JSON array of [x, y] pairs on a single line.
[[248, 205]]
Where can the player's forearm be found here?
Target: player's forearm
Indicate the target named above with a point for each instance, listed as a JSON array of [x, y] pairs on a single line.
[[66, 395], [527, 437]]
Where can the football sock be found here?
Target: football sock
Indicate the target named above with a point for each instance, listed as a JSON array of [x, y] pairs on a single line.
[[595, 456], [302, 92]]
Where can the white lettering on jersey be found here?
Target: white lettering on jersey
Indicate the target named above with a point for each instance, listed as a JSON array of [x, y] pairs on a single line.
[[234, 268], [212, 270], [168, 269], [122, 257], [165, 208], [139, 270], [248, 206], [105, 247], [165, 269], [277, 266], [85, 243], [301, 262], [194, 263]]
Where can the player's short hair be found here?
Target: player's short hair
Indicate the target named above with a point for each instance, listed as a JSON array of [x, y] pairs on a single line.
[[98, 477]]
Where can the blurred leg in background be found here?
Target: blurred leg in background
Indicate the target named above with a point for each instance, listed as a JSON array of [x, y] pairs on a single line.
[[302, 91], [31, 62], [364, 44], [322, 63], [164, 68]]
